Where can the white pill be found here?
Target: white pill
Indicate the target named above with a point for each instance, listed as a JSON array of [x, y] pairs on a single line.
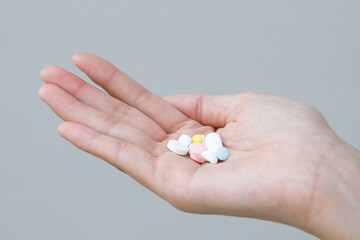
[[185, 139], [209, 156], [177, 147], [213, 141]]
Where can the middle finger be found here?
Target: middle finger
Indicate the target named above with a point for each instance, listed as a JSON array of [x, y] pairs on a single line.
[[102, 101], [71, 109]]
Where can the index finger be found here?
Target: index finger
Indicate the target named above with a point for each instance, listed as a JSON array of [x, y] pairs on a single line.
[[122, 87]]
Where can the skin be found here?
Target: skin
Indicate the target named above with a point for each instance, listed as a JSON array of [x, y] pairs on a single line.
[[285, 163]]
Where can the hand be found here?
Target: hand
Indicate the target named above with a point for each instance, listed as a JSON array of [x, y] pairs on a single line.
[[282, 152]]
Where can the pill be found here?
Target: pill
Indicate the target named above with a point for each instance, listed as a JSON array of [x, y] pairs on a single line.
[[197, 139], [213, 142], [197, 148], [177, 147], [197, 157], [185, 139], [222, 153], [203, 139], [209, 156]]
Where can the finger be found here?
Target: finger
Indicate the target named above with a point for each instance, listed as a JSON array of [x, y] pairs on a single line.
[[98, 99], [71, 109], [122, 87], [209, 110], [123, 155]]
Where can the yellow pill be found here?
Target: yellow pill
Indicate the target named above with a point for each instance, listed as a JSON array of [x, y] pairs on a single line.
[[197, 139]]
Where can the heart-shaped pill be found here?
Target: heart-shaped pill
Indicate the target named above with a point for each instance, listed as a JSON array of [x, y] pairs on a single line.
[[177, 147], [185, 139]]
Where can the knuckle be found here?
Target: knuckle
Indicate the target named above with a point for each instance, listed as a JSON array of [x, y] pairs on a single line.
[[121, 111], [109, 124], [120, 147], [142, 98]]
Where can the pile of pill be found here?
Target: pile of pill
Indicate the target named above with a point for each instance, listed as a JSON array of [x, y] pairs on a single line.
[[200, 148]]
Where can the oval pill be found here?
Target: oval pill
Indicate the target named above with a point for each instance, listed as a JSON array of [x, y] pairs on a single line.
[[197, 148], [197, 139], [197, 157], [177, 147], [209, 156], [213, 142], [185, 139], [222, 153]]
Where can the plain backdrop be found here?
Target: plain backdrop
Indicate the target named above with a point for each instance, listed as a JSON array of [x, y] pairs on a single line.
[[306, 50]]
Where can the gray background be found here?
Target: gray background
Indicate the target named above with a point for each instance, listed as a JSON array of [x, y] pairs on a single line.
[[305, 50]]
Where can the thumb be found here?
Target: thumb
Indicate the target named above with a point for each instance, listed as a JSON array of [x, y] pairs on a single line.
[[210, 110]]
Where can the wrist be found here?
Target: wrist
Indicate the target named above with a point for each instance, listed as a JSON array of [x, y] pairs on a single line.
[[336, 213]]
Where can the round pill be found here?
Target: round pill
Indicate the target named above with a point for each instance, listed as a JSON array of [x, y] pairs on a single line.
[[196, 139], [222, 153], [185, 139], [209, 156], [177, 147], [196, 148], [197, 157], [213, 141]]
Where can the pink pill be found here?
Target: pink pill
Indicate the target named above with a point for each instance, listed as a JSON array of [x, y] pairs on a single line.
[[195, 150], [198, 158]]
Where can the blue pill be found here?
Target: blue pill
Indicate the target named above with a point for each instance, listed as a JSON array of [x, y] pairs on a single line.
[[222, 153]]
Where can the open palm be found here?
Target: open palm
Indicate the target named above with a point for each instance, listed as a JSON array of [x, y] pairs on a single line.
[[272, 171]]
